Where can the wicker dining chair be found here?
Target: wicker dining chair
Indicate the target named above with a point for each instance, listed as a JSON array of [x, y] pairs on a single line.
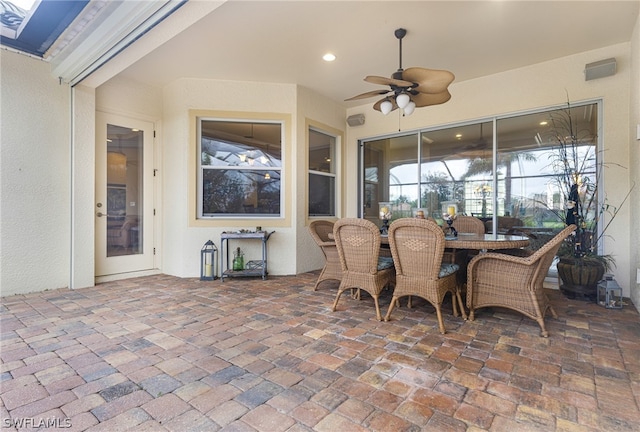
[[505, 223], [332, 270], [512, 282], [468, 224], [464, 224], [358, 243], [417, 247]]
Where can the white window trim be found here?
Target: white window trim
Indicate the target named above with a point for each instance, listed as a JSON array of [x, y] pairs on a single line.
[[200, 170]]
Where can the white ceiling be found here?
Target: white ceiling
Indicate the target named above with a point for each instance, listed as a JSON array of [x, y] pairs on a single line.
[[283, 42]]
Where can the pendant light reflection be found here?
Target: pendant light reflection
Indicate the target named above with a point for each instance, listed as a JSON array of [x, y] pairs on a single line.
[[116, 165]]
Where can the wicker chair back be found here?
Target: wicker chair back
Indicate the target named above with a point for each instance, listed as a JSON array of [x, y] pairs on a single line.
[[332, 270]]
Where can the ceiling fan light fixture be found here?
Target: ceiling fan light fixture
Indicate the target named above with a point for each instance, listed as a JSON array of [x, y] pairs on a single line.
[[386, 107], [403, 100], [416, 85], [408, 110]]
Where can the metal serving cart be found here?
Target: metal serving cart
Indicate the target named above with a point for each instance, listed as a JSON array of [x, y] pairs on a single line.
[[251, 268]]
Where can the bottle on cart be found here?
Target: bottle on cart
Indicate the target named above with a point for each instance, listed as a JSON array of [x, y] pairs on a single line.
[[238, 260]]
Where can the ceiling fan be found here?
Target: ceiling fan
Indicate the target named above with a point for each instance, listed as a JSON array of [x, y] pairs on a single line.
[[409, 89]]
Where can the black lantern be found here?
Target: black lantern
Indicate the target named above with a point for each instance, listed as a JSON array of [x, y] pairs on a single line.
[[609, 293], [208, 261]]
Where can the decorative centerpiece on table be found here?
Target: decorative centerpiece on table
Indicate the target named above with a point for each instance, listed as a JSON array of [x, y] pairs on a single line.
[[385, 216], [577, 177], [449, 216]]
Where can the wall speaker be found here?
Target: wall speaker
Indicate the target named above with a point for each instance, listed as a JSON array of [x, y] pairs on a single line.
[[600, 69], [355, 120]]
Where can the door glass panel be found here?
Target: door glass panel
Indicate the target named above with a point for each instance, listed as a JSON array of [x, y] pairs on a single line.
[[529, 167], [391, 177], [124, 191], [456, 169]]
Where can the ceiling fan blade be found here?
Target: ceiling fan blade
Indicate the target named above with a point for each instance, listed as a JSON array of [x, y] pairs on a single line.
[[376, 106], [426, 99], [368, 94], [429, 80], [387, 81]]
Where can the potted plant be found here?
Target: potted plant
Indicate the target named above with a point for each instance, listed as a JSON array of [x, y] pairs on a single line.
[[578, 174]]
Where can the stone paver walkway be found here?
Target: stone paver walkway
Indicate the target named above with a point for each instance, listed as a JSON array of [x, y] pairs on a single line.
[[161, 353]]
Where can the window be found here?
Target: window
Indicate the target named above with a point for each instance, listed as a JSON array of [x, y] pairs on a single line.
[[240, 167], [456, 167], [322, 173]]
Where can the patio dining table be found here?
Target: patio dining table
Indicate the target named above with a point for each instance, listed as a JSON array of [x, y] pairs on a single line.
[[481, 242]]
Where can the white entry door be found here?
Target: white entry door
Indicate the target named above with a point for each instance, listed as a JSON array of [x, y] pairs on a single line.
[[124, 207]]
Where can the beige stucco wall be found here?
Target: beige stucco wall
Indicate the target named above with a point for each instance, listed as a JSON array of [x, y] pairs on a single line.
[[82, 184], [180, 239], [538, 86], [329, 116], [182, 235], [34, 177], [39, 251]]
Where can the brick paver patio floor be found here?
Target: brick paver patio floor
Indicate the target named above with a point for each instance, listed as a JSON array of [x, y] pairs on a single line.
[[161, 353]]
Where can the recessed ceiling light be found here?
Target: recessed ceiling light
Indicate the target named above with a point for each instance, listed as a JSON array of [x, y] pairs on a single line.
[[458, 136], [328, 57], [543, 123]]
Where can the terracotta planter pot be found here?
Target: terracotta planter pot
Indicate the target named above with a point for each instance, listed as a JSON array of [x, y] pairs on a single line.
[[580, 278]]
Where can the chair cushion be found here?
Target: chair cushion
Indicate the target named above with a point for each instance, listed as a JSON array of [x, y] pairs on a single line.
[[447, 269], [385, 262]]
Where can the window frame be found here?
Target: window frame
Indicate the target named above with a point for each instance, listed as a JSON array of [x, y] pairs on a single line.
[[333, 174], [338, 165], [200, 169], [362, 199]]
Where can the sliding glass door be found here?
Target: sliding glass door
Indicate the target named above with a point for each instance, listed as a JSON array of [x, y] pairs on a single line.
[[500, 170]]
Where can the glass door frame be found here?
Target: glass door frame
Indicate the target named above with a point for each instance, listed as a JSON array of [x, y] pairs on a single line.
[[108, 265]]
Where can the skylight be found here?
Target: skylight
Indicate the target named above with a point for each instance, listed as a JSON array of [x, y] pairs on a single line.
[[32, 26], [24, 4]]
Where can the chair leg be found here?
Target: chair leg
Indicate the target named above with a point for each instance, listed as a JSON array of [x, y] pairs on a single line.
[[335, 303], [543, 330], [459, 298], [454, 304], [440, 321], [551, 309], [378, 315], [315, 288], [395, 300], [409, 303]]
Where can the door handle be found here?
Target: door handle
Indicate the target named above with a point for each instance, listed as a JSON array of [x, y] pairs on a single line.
[[100, 214]]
